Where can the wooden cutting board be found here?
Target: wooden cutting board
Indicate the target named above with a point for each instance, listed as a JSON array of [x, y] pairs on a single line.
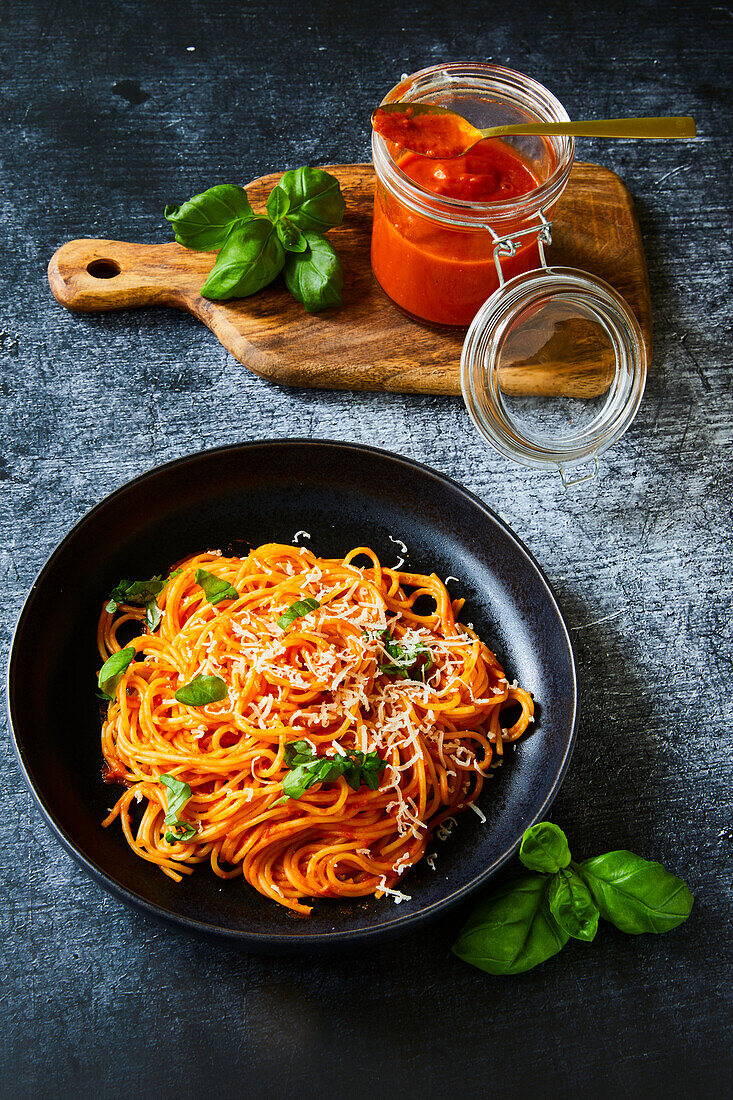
[[368, 344]]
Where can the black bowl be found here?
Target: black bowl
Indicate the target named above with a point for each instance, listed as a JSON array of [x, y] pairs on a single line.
[[241, 496]]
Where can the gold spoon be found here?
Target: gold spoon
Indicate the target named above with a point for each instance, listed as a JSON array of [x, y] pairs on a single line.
[[436, 131]]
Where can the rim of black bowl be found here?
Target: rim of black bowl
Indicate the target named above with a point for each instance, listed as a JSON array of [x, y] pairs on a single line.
[[300, 940]]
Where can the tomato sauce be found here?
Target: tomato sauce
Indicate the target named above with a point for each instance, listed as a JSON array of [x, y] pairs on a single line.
[[436, 272]]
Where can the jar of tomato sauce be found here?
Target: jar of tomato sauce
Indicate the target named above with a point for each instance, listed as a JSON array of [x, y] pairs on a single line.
[[436, 223]]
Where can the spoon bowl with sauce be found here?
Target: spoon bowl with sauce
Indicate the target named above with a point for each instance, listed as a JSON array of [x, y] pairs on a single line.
[[438, 133]]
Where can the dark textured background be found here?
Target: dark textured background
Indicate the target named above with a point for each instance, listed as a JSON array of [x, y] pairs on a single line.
[[109, 114]]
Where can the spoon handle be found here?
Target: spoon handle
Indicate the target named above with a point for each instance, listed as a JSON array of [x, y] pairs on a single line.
[[675, 127]]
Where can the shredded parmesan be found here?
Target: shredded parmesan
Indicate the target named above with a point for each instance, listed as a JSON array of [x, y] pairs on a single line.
[[396, 894]]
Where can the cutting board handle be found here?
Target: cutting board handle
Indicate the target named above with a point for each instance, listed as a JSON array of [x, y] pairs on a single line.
[[92, 275]]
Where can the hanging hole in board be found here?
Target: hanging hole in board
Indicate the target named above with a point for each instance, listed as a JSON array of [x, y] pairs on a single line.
[[103, 269]]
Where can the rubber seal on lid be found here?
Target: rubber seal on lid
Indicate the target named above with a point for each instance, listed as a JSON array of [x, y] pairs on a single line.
[[553, 369]]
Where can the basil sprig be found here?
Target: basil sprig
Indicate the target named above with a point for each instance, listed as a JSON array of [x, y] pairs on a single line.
[[405, 661], [254, 248], [178, 795], [525, 922], [202, 690], [215, 588], [296, 611], [113, 670], [307, 769]]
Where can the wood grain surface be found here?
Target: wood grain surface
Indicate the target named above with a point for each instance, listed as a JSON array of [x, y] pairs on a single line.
[[369, 344]]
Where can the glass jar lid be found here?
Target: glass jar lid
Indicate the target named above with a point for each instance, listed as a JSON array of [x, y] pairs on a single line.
[[553, 369]]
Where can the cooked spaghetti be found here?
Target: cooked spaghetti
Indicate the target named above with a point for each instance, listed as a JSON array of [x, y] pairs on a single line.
[[358, 674]]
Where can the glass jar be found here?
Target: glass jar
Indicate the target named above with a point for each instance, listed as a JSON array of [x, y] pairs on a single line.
[[553, 368], [434, 255]]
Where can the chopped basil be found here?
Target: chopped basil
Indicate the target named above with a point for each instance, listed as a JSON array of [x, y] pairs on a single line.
[[406, 661], [215, 588], [136, 593], [296, 611], [178, 795], [307, 769], [153, 615], [141, 594], [112, 671], [202, 690]]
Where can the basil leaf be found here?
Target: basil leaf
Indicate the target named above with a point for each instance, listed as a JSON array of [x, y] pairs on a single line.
[[316, 202], [404, 658], [202, 690], [204, 222], [572, 905], [512, 930], [296, 611], [278, 204], [298, 752], [307, 769], [136, 593], [183, 831], [153, 615], [315, 277], [178, 795], [249, 259], [297, 781], [544, 847], [112, 671], [215, 588], [635, 894], [290, 236]]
